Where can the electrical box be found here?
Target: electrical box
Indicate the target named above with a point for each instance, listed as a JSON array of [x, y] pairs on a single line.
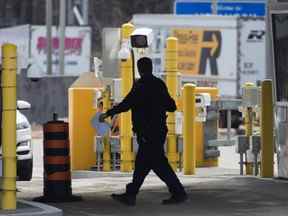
[[250, 96], [203, 100]]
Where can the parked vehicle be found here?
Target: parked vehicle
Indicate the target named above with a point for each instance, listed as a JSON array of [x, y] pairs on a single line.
[[24, 145]]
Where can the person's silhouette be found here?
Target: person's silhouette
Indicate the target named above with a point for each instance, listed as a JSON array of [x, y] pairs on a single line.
[[149, 101]]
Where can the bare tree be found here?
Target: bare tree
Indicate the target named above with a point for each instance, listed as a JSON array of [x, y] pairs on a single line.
[[102, 13]]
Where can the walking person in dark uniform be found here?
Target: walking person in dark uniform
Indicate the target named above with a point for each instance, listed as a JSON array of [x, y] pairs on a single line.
[[149, 101]]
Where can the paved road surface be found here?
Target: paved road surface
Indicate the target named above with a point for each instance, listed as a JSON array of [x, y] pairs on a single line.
[[212, 191]]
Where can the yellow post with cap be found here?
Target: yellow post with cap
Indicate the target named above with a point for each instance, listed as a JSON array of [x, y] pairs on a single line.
[[126, 66], [248, 120], [106, 140], [9, 67], [171, 69], [267, 123], [189, 136]]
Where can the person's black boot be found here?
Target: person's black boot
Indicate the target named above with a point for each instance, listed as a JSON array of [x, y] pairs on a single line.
[[124, 198], [175, 199]]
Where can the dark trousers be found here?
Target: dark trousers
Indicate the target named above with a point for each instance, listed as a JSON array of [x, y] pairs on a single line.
[[151, 156]]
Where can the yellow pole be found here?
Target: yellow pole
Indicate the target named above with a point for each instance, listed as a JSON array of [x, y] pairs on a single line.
[[9, 67], [189, 113], [106, 140], [127, 155], [248, 133], [267, 123], [171, 68], [248, 120]]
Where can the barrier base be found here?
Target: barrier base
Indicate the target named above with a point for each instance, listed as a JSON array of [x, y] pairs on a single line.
[[47, 199]]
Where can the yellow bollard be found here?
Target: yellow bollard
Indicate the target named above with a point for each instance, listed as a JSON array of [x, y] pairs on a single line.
[[249, 132], [106, 139], [171, 69], [127, 155], [248, 117], [9, 67], [189, 113], [267, 123]]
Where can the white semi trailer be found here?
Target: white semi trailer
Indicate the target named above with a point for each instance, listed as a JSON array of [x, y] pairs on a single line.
[[31, 45], [221, 51]]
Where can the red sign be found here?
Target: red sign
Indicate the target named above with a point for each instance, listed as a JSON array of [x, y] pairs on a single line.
[[72, 45]]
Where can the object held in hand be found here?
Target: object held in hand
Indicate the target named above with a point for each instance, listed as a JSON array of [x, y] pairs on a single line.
[[102, 117], [101, 127]]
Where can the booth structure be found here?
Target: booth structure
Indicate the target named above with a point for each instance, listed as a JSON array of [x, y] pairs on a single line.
[[82, 107], [277, 49], [207, 156]]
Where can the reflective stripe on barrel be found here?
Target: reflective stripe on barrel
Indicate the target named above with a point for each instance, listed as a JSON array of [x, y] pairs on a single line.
[[60, 176], [56, 144], [57, 160]]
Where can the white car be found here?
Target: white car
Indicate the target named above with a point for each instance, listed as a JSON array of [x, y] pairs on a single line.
[[24, 145]]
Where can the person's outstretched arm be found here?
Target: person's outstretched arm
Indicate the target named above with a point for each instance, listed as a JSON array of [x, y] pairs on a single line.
[[126, 104]]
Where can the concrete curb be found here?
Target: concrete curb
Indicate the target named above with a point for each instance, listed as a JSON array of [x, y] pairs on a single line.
[[34, 209]]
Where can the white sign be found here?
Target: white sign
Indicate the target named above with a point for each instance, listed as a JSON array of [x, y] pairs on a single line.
[[77, 51], [18, 36], [210, 54], [252, 51]]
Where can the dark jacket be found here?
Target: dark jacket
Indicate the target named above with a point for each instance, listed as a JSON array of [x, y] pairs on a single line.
[[149, 101]]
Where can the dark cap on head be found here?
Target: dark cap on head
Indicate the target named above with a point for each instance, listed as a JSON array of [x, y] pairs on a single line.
[[145, 66]]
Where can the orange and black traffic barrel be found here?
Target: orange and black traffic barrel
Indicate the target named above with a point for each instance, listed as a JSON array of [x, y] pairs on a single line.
[[57, 172]]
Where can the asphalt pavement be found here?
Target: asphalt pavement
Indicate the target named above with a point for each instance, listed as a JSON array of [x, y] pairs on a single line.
[[212, 191]]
